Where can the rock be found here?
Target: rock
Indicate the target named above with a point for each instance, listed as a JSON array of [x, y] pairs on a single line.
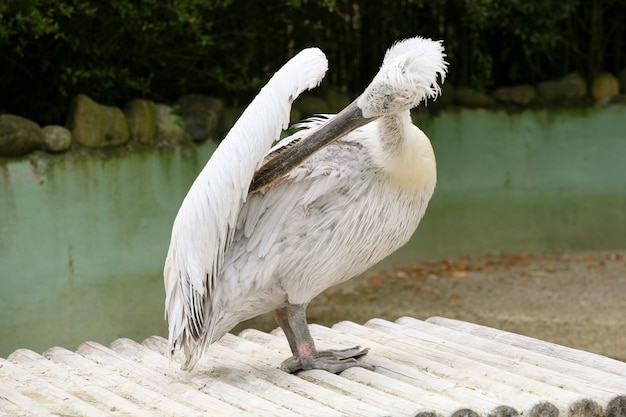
[[295, 116], [201, 115], [141, 116], [308, 105], [604, 87], [336, 101], [18, 135], [550, 92], [622, 80], [170, 127], [574, 86], [96, 125], [520, 95], [469, 97], [571, 88], [619, 99], [56, 138], [446, 99], [229, 116]]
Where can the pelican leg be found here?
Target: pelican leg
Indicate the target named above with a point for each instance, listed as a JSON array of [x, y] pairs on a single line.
[[292, 319]]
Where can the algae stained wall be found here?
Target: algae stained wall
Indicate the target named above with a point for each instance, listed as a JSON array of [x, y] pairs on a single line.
[[83, 240], [531, 181], [83, 243]]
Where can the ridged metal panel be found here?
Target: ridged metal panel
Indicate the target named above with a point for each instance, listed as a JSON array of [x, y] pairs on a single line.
[[437, 367]]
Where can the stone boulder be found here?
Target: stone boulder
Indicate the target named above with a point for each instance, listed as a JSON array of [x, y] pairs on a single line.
[[141, 116], [18, 136], [604, 87], [295, 116], [550, 92], [572, 88], [519, 95], [170, 127], [445, 99], [201, 115], [468, 97], [229, 116], [620, 99], [56, 138], [308, 105], [96, 125], [336, 101], [622, 81]]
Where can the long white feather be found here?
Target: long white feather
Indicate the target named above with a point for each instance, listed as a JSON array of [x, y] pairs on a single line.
[[208, 215]]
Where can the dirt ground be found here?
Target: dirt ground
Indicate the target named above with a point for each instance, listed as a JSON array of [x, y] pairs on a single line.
[[573, 299]]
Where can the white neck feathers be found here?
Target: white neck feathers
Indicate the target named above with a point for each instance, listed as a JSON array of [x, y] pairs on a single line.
[[404, 154]]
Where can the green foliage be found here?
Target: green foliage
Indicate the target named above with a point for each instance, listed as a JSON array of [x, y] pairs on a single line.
[[114, 51], [511, 37], [111, 50]]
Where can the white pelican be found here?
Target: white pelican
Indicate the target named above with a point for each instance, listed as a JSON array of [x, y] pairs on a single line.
[[269, 229]]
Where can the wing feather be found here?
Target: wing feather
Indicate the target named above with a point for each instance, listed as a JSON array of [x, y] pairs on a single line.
[[208, 215], [314, 185]]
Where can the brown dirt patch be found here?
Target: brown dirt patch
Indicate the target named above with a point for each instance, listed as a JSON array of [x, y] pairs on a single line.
[[573, 299]]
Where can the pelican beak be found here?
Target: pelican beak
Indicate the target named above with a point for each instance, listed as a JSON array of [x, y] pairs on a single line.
[[291, 156]]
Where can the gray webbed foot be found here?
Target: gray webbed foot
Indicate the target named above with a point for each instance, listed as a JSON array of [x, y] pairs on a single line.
[[332, 360], [292, 319]]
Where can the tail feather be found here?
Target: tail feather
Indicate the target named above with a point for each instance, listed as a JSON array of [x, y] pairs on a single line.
[[207, 218]]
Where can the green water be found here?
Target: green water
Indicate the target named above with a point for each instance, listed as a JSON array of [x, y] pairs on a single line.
[[83, 240]]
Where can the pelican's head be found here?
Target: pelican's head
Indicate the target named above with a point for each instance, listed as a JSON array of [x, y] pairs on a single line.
[[407, 76]]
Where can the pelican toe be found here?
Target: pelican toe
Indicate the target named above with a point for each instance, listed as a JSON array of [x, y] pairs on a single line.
[[332, 360]]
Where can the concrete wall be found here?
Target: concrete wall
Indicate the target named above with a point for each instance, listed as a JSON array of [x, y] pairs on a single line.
[[83, 239], [83, 243], [533, 181]]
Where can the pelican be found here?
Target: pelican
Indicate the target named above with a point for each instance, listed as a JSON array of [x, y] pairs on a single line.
[[268, 229]]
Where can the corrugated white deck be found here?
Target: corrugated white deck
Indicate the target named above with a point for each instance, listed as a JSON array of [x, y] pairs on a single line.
[[437, 367]]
